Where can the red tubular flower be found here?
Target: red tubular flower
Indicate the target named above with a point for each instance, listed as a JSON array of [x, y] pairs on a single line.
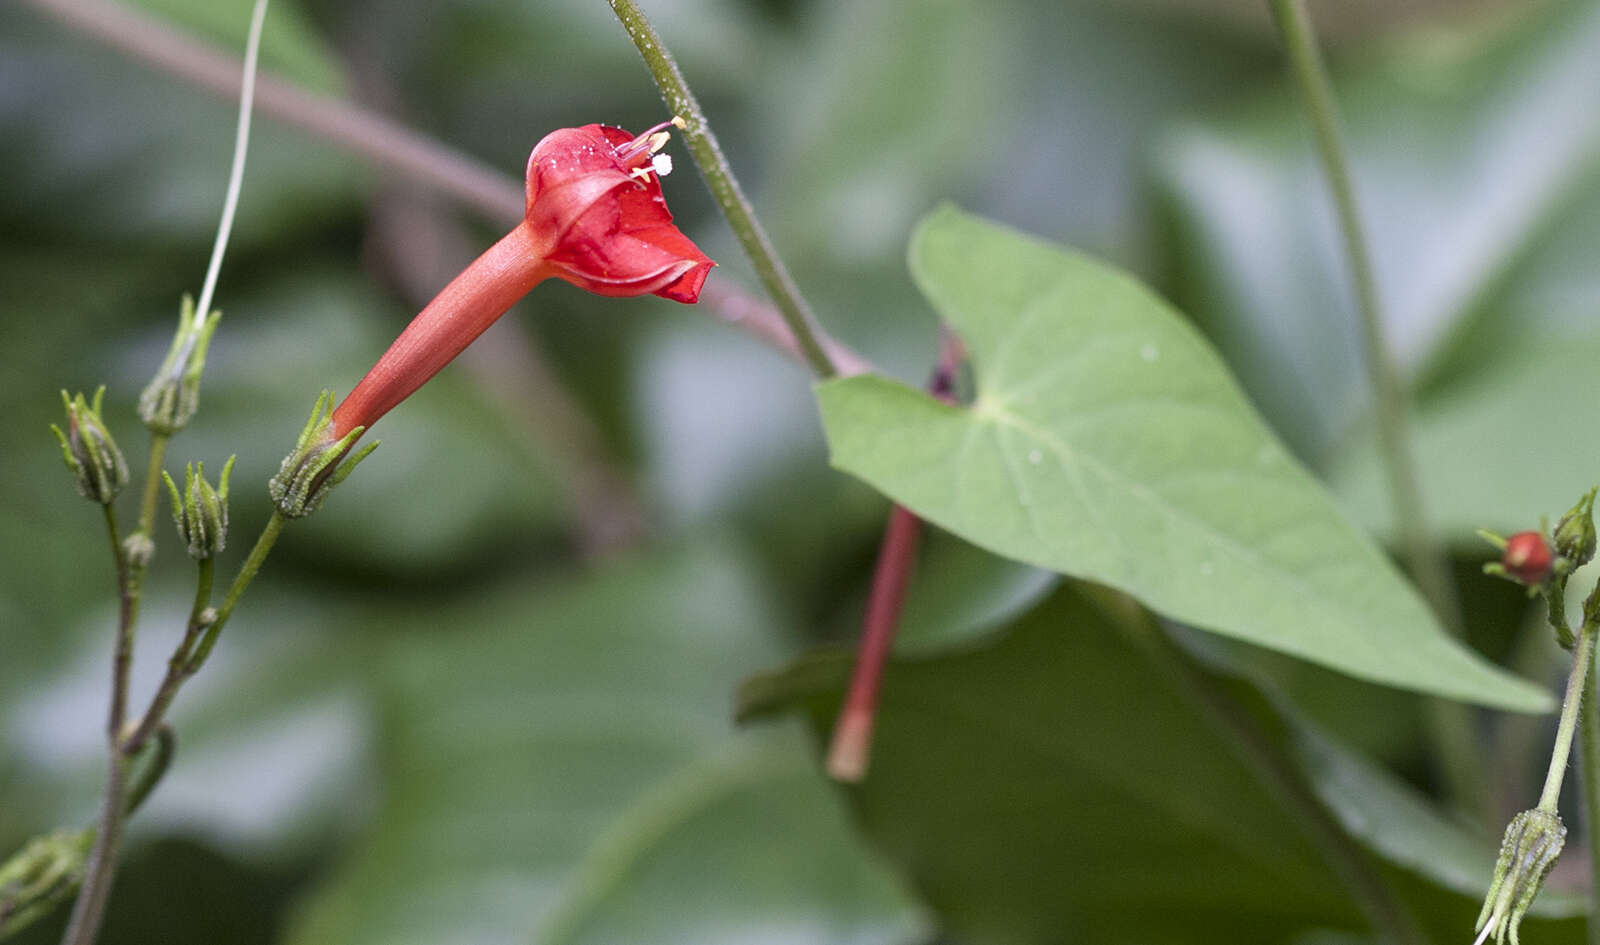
[[595, 218]]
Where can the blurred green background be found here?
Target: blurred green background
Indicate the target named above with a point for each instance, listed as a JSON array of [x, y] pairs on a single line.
[[487, 694]]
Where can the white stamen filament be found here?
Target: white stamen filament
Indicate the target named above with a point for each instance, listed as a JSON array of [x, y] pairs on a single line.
[[1488, 927]]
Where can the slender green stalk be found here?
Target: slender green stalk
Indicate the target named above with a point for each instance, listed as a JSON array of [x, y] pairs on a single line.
[[1589, 757], [775, 278], [89, 909], [1426, 560], [204, 574], [154, 717], [247, 573], [151, 769], [123, 658], [152, 484], [1577, 682]]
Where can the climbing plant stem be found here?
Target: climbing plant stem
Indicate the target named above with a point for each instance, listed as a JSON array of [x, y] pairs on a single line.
[[1425, 558], [813, 343]]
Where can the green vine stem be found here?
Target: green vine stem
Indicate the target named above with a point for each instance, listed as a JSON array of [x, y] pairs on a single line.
[[1578, 680], [775, 278], [1429, 566], [152, 491], [154, 717], [151, 770], [89, 909], [127, 607], [247, 573], [1589, 757]]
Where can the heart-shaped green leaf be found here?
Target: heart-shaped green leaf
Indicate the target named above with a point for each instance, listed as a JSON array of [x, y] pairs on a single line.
[[1108, 441]]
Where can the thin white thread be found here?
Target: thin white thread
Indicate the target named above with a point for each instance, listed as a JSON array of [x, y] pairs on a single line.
[[241, 142]]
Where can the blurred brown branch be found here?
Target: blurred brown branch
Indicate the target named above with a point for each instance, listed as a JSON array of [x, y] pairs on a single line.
[[380, 140]]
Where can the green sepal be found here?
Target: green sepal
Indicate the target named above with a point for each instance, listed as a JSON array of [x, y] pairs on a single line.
[[201, 512], [1532, 842], [173, 395], [89, 451], [1575, 534], [314, 466], [41, 876], [1493, 538]]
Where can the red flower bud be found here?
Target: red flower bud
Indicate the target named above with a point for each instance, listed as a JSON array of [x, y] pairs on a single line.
[[595, 218], [1527, 557]]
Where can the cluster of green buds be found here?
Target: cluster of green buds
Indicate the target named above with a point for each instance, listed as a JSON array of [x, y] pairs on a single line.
[[201, 512], [89, 451], [317, 463], [173, 394]]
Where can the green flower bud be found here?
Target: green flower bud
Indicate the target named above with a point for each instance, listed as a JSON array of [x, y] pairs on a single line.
[[174, 393], [89, 450], [1531, 845], [40, 877], [1575, 537], [201, 513], [139, 550], [314, 466], [1591, 608]]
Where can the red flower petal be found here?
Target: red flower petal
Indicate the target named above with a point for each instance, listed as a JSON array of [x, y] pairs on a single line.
[[610, 228]]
